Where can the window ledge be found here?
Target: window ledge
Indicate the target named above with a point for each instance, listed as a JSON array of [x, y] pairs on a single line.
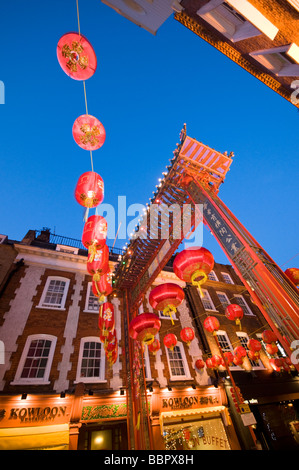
[[50, 308], [30, 382]]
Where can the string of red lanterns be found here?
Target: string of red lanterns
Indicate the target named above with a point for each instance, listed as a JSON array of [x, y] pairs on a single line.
[[78, 60]]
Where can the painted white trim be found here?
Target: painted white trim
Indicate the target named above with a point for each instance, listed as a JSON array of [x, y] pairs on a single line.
[[88, 293], [35, 381], [187, 375], [45, 291], [101, 378]]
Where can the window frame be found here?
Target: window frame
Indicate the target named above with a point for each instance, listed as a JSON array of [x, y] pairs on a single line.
[[229, 347], [242, 334], [250, 314], [187, 375], [213, 274], [223, 274], [18, 380], [101, 378], [205, 291], [45, 291], [88, 294], [228, 301]]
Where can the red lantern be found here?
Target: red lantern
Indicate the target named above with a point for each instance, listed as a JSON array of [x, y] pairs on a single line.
[[106, 318], [240, 351], [103, 287], [254, 345], [199, 364], [88, 132], [99, 263], [154, 346], [144, 327], [187, 335], [94, 234], [209, 363], [193, 265], [170, 341], [211, 324], [235, 313], [76, 56], [166, 297], [217, 361], [89, 191], [253, 355], [293, 275], [228, 358], [268, 336], [238, 360], [271, 349], [276, 364], [111, 343], [106, 338]]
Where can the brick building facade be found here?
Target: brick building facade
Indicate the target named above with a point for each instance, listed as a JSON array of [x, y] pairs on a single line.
[[57, 390]]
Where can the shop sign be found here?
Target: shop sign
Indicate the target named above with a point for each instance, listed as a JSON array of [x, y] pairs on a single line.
[[189, 401], [104, 412], [28, 415]]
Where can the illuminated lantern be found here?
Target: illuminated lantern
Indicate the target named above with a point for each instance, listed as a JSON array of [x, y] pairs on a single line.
[[271, 349], [209, 363], [228, 358], [235, 313], [106, 338], [293, 275], [166, 297], [187, 335], [240, 351], [193, 265], [211, 324], [76, 56], [111, 344], [154, 346], [216, 361], [94, 234], [268, 336], [144, 327], [254, 345], [170, 341], [276, 364], [103, 287], [238, 360], [253, 355], [106, 320], [89, 191], [88, 132], [99, 263], [199, 364]]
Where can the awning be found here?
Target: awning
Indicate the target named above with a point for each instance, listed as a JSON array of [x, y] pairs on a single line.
[[192, 412], [55, 437]]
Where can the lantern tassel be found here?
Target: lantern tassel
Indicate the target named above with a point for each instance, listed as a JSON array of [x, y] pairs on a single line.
[[195, 275], [169, 310], [238, 322]]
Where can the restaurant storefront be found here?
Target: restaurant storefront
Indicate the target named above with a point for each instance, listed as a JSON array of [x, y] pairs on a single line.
[[192, 419], [31, 422]]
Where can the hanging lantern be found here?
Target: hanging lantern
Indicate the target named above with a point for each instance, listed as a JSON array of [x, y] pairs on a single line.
[[166, 297], [271, 349], [254, 345], [253, 355], [106, 320], [99, 263], [209, 363], [217, 361], [106, 338], [170, 341], [235, 313], [76, 56], [154, 346], [187, 335], [268, 336], [211, 324], [228, 358], [144, 327], [103, 287], [276, 364], [199, 364], [94, 234], [240, 351], [89, 191], [293, 275], [193, 265], [88, 132], [111, 343], [238, 360]]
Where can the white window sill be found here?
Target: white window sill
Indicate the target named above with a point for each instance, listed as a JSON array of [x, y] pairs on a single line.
[[30, 382], [50, 308], [89, 380]]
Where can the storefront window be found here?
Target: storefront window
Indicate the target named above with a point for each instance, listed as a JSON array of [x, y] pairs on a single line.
[[204, 434]]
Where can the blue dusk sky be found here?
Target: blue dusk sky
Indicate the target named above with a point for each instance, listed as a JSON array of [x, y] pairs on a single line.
[[145, 88]]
